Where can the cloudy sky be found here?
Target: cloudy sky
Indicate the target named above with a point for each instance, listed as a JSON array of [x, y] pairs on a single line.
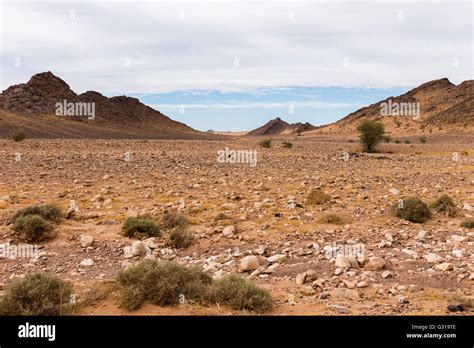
[[232, 65]]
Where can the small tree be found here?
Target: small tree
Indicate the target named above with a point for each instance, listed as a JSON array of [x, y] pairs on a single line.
[[371, 133]]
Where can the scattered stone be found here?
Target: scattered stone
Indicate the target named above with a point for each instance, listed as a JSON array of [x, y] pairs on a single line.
[[138, 248], [411, 253], [456, 308], [86, 240], [432, 258], [386, 274], [445, 266], [228, 231], [249, 263], [276, 258], [87, 262], [375, 264], [345, 294], [402, 300], [394, 191], [340, 309], [300, 278]]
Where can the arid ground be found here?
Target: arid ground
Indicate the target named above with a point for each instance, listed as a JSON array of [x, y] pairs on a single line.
[[409, 268]]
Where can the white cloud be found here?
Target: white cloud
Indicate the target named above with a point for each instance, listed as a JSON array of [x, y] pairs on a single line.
[[188, 45]]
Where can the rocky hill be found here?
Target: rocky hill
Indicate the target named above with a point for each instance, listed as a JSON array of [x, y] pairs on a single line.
[[434, 105], [34, 107], [280, 127]]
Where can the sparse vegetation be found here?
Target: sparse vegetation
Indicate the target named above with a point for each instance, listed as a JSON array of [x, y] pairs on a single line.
[[36, 294], [46, 211], [445, 204], [317, 196], [18, 135], [423, 140], [412, 209], [287, 145], [162, 283], [33, 228], [172, 219], [407, 141], [467, 223], [140, 228], [397, 141], [387, 138], [371, 133], [179, 238], [266, 143], [332, 218], [239, 293]]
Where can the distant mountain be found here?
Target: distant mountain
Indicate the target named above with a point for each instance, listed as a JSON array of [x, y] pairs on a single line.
[[437, 104], [41, 107], [280, 127]]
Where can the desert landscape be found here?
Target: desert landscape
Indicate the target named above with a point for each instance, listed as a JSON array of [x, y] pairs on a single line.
[[310, 221]]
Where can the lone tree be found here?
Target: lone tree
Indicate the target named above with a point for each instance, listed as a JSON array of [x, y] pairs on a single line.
[[371, 133]]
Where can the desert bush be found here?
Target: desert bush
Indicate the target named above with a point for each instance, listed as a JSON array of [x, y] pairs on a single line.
[[162, 283], [287, 145], [397, 141], [371, 133], [332, 219], [33, 228], [407, 141], [140, 228], [467, 223], [18, 134], [36, 294], [221, 216], [46, 211], [172, 219], [412, 209], [423, 140], [179, 238], [266, 143], [239, 293], [445, 204], [317, 196]]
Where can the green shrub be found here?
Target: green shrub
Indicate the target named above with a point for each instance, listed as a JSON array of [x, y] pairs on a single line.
[[46, 211], [445, 204], [332, 219], [179, 238], [36, 294], [467, 223], [412, 209], [287, 145], [423, 140], [239, 293], [173, 219], [18, 134], [371, 133], [33, 228], [140, 228], [162, 283], [266, 143], [317, 196]]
